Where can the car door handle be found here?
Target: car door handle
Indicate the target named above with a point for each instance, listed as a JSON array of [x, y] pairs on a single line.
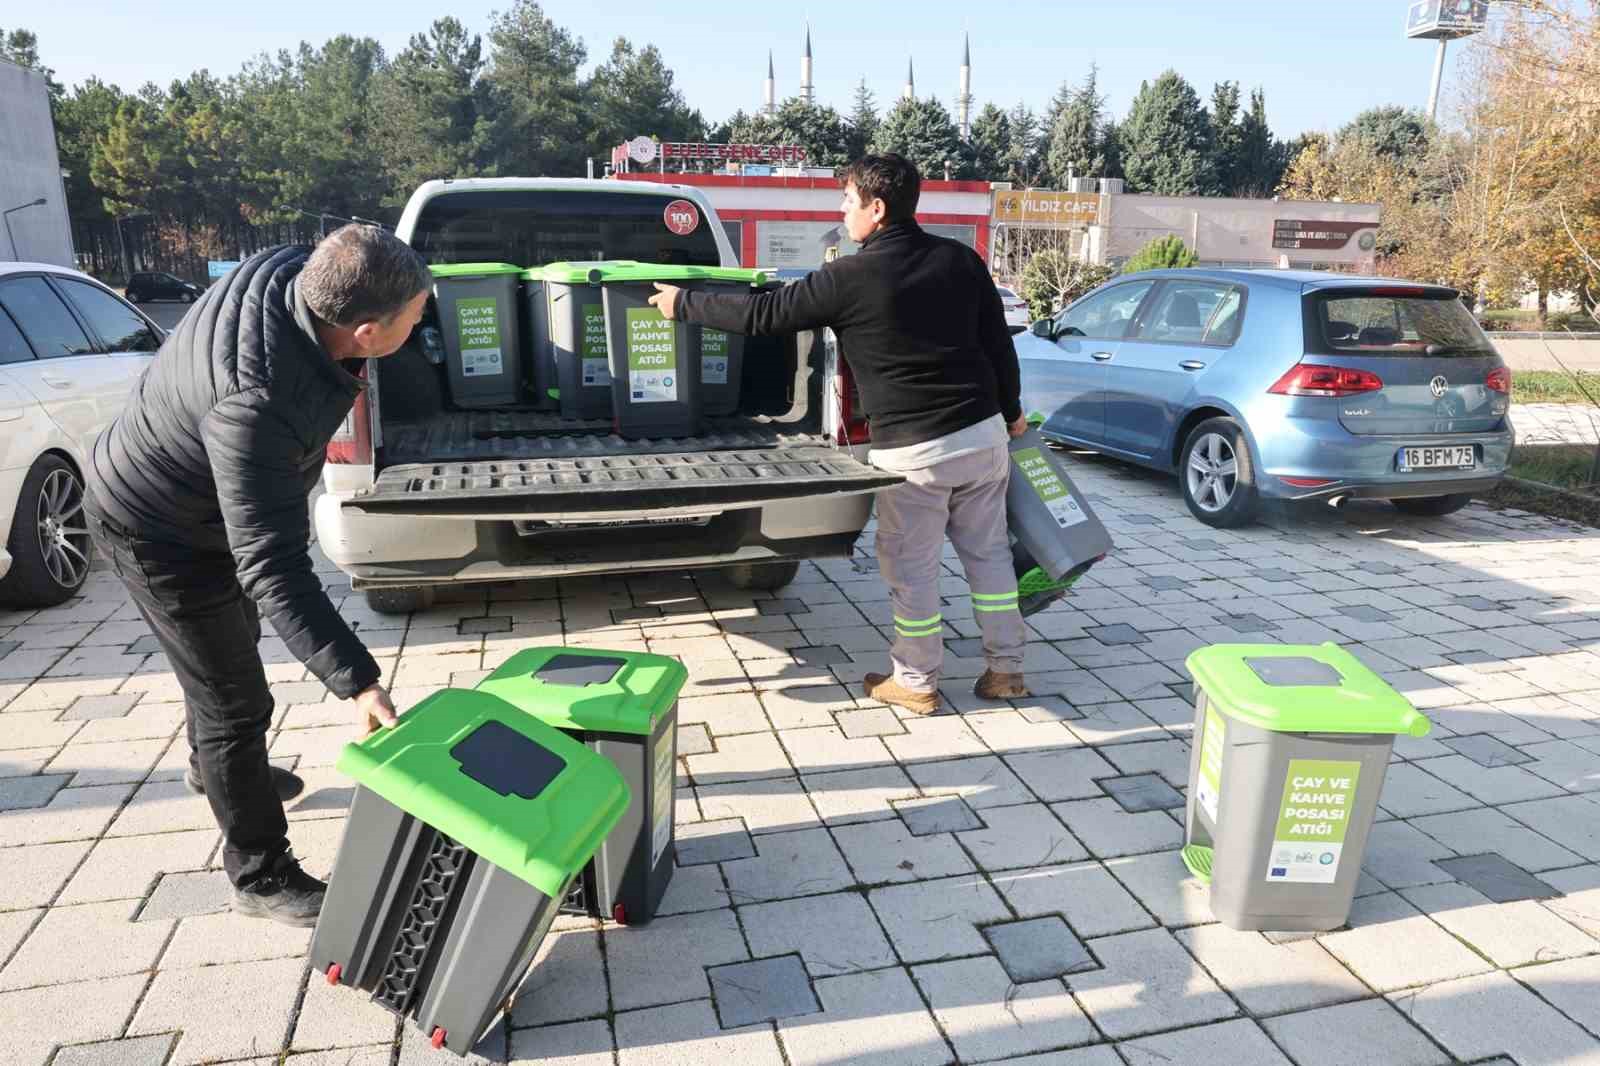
[[1192, 364], [55, 382], [1101, 356]]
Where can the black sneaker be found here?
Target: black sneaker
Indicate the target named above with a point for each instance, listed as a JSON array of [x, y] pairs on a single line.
[[285, 894], [288, 784]]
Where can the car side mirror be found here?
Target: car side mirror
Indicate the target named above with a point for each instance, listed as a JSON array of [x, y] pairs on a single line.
[[1045, 328]]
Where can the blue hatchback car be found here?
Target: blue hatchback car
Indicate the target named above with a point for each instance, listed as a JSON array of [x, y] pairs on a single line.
[[1277, 384]]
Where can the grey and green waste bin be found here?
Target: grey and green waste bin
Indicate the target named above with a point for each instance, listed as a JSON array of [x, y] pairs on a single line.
[[1055, 536], [470, 821], [623, 705], [655, 361], [1291, 743], [478, 311], [721, 352], [576, 319], [540, 371]]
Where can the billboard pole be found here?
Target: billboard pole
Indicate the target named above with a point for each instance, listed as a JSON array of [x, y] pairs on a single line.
[[1438, 78]]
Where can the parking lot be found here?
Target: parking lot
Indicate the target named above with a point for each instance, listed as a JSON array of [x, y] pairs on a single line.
[[856, 885]]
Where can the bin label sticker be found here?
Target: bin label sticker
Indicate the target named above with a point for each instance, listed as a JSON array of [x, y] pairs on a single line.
[[592, 347], [666, 777], [652, 357], [1318, 799], [478, 334], [713, 357], [1208, 791], [1049, 487]]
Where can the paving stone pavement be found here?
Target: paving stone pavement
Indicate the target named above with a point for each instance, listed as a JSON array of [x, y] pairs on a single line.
[[856, 885]]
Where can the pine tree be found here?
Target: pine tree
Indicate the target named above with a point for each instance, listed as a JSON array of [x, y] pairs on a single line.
[[1262, 158], [1165, 139], [633, 94], [1163, 253], [1075, 138], [1226, 140], [990, 143], [1022, 154], [538, 126], [429, 109], [863, 121], [924, 132], [819, 130]]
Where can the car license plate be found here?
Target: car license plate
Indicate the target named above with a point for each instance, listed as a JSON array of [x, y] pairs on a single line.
[[1453, 457]]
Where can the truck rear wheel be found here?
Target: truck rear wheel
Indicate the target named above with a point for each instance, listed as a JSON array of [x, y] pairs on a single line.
[[400, 600], [763, 576]]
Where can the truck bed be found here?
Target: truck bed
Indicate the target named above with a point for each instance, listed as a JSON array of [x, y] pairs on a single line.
[[475, 436]]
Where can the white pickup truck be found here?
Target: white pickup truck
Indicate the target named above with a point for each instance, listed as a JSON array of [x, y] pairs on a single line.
[[421, 493]]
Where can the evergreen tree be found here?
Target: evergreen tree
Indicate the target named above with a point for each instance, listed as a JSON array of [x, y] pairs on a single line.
[[1163, 253], [990, 143], [1022, 154], [864, 121], [1262, 158], [632, 93], [538, 125], [924, 132], [428, 109], [1165, 139], [1396, 133], [819, 130], [1076, 147], [1226, 140]]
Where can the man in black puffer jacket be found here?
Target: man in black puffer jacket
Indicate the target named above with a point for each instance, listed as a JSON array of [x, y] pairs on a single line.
[[198, 498]]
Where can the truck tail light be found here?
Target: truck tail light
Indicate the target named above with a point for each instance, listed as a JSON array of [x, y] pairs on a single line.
[[852, 421], [352, 442]]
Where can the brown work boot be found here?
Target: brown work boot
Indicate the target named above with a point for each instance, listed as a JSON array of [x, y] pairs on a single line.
[[884, 689], [997, 686]]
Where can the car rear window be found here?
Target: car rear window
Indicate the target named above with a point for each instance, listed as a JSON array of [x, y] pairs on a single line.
[[1005, 292], [1393, 321], [536, 227]]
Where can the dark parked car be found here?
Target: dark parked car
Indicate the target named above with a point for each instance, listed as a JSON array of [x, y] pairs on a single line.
[[159, 285]]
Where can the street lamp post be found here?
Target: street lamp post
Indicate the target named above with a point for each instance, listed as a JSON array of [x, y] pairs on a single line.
[[40, 202]]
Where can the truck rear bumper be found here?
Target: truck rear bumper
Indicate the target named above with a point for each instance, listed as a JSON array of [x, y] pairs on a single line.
[[409, 550]]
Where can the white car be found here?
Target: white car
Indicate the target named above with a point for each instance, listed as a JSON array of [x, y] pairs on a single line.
[[70, 352], [1017, 316], [424, 491]]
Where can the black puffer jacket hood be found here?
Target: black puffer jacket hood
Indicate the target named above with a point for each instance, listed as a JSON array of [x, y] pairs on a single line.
[[222, 441]]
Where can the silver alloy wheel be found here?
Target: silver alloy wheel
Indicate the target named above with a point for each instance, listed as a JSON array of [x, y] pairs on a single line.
[[1213, 472], [63, 537]]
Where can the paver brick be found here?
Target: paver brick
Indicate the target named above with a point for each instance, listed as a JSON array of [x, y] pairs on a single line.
[[1146, 983], [833, 934], [1271, 978], [986, 1015], [1491, 1014], [1062, 774], [575, 1044], [1391, 945], [1491, 830], [85, 942], [1038, 949], [665, 961], [763, 990], [138, 1051], [338, 1016], [982, 782], [796, 863], [1109, 831], [38, 1019], [204, 1005], [931, 920], [885, 852], [716, 841], [1368, 1033], [875, 1017], [1510, 934], [1238, 1043], [32, 876], [1569, 986]]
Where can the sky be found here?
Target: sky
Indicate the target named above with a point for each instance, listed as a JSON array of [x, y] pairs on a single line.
[[1319, 61]]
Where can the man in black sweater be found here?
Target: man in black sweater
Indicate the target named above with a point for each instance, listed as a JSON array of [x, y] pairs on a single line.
[[198, 500], [920, 323]]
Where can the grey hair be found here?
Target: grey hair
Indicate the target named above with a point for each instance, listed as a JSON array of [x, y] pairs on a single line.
[[360, 273]]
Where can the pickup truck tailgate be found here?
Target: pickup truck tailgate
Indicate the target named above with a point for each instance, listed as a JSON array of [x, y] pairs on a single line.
[[658, 485]]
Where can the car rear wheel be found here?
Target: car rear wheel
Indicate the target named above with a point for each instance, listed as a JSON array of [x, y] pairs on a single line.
[[1433, 506], [401, 600], [764, 576], [1217, 474], [131, 296], [49, 541]]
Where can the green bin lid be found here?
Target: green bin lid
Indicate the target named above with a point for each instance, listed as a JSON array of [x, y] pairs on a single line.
[[626, 270], [590, 689], [1302, 688], [523, 795], [473, 270]]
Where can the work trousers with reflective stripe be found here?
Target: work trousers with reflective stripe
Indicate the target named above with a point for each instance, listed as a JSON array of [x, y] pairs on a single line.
[[964, 498]]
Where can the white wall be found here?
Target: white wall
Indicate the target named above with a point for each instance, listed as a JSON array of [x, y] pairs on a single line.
[[29, 169], [1221, 230]]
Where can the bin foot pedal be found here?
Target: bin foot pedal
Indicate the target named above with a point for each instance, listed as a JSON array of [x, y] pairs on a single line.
[[438, 1037], [1198, 860]]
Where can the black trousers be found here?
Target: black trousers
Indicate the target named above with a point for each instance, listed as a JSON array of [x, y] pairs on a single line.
[[210, 630]]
